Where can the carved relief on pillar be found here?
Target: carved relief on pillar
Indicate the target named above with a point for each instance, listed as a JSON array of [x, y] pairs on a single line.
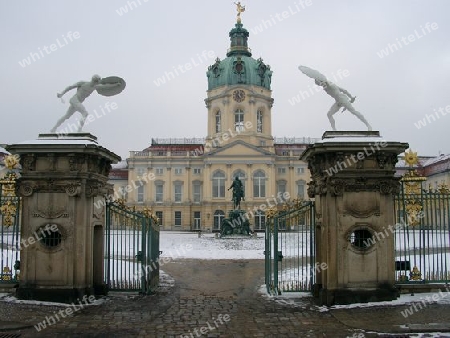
[[361, 205], [27, 188], [95, 189], [97, 165], [318, 218], [51, 159], [320, 186], [317, 187], [51, 212], [76, 162], [360, 184], [28, 163], [73, 189], [337, 187]]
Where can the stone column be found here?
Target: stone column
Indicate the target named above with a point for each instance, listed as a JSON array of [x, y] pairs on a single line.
[[62, 185], [353, 182]]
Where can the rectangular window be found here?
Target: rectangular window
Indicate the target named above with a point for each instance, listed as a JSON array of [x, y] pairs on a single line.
[[197, 171], [178, 171], [282, 170], [159, 193], [300, 170], [177, 218], [159, 171], [281, 187], [239, 120], [259, 186], [140, 171], [159, 214], [218, 187], [260, 220], [197, 191], [140, 193], [178, 189], [301, 190], [123, 193]]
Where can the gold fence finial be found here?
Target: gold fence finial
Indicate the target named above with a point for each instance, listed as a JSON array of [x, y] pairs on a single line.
[[411, 158], [11, 161]]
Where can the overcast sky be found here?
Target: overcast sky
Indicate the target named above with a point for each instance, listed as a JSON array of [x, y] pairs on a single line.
[[393, 55]]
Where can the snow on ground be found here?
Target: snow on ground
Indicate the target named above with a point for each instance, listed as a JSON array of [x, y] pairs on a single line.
[[301, 299], [8, 298], [188, 245]]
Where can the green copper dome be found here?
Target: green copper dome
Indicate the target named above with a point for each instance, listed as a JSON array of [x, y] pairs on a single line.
[[239, 67]]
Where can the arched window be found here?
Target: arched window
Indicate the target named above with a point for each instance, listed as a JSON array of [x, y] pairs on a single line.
[[218, 184], [219, 215], [239, 120], [259, 121], [218, 122], [259, 184], [239, 173]]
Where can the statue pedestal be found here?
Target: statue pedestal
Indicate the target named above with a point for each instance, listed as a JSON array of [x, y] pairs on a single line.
[[237, 224], [62, 185], [352, 181]]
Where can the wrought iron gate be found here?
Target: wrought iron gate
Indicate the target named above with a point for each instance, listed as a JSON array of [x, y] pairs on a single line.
[[10, 210], [132, 249], [290, 248], [422, 235]]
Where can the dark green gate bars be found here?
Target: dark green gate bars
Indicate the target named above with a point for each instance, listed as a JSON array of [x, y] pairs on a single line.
[[290, 248], [10, 208], [132, 249], [422, 236]]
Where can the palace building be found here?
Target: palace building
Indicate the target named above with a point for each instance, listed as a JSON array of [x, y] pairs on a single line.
[[185, 181]]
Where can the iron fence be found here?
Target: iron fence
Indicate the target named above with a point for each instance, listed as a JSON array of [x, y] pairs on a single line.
[[10, 210], [290, 249], [132, 249], [422, 235]]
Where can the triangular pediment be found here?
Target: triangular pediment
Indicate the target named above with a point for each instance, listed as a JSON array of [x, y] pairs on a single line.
[[239, 148]]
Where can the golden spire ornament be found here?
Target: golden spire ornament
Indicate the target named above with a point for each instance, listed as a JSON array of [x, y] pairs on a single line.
[[239, 9]]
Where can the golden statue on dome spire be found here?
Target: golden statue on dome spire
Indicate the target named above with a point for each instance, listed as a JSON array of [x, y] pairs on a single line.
[[239, 9]]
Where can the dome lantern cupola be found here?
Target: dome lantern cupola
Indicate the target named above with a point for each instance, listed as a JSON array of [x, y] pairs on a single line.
[[239, 67], [239, 38]]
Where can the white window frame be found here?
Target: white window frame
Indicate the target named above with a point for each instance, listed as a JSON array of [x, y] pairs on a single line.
[[239, 120]]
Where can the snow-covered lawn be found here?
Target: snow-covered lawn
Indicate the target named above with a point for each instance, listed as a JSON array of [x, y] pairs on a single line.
[[188, 245]]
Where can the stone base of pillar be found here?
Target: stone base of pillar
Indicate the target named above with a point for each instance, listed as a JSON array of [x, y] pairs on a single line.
[[54, 295], [351, 296]]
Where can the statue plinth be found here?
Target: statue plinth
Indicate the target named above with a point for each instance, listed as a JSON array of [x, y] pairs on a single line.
[[353, 183], [236, 223], [63, 183]]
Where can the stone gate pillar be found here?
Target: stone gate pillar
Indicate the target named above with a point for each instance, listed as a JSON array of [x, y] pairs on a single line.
[[62, 184], [353, 182]]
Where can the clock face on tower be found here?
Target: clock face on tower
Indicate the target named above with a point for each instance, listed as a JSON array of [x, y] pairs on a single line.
[[239, 95]]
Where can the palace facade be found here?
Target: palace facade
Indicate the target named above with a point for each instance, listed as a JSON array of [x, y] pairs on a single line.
[[185, 181]]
